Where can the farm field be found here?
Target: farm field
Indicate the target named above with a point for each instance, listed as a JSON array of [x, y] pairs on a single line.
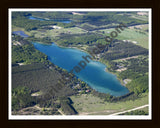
[[141, 37], [145, 18], [89, 104], [56, 32]]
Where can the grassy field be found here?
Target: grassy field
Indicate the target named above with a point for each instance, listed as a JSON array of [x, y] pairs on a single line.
[[90, 105], [143, 27], [146, 109], [56, 32], [144, 17], [131, 34]]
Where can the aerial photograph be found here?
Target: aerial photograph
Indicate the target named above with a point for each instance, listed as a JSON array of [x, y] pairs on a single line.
[[79, 63]]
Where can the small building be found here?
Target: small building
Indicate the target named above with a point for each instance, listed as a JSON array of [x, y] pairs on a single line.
[[87, 90], [56, 27]]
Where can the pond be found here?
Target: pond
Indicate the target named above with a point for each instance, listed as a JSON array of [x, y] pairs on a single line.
[[20, 33], [41, 19]]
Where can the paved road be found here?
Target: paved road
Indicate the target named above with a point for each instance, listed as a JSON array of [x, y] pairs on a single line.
[[60, 112], [130, 110], [87, 113]]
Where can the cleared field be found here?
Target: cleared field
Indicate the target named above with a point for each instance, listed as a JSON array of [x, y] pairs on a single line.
[[146, 109], [143, 27], [91, 105], [140, 36], [144, 17], [139, 17], [56, 32]]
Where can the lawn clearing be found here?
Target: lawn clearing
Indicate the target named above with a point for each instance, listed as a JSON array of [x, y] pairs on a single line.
[[88, 104], [53, 33], [141, 37]]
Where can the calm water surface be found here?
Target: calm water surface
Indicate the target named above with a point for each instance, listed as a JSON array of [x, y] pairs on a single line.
[[20, 33], [41, 19], [93, 74]]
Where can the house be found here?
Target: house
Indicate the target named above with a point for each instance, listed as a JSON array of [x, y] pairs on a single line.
[[56, 27], [87, 90]]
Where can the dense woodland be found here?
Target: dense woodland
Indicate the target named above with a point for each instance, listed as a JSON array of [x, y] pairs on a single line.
[[21, 97], [37, 72], [137, 68], [80, 39], [94, 18], [20, 19], [123, 50]]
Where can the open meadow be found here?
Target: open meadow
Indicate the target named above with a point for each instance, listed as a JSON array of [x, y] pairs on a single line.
[[138, 35], [90, 105]]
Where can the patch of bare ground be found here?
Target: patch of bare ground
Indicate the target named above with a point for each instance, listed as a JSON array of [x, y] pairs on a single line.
[[21, 64], [125, 81], [139, 26], [98, 112], [122, 69], [128, 58], [34, 110]]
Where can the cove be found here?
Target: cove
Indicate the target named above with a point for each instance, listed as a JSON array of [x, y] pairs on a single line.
[[41, 19], [93, 74], [20, 33]]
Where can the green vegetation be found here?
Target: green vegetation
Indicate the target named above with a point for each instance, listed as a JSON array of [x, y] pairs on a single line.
[[20, 19], [103, 18], [136, 112], [78, 39], [89, 104], [123, 50], [140, 36], [52, 15], [66, 106], [85, 31], [139, 85], [21, 98], [27, 54], [137, 72]]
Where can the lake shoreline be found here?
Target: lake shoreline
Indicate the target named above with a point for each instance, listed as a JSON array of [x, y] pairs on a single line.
[[121, 81], [92, 80], [82, 50]]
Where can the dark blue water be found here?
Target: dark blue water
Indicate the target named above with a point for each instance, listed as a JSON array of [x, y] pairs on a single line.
[[94, 73], [62, 21], [20, 33]]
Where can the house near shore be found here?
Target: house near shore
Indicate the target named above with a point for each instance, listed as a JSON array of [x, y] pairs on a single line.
[[87, 90], [56, 27], [129, 41]]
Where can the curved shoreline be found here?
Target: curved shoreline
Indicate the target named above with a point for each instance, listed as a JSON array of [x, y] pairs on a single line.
[[92, 59], [121, 81]]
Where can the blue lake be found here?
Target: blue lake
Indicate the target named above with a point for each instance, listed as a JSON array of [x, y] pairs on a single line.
[[93, 74], [41, 19]]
